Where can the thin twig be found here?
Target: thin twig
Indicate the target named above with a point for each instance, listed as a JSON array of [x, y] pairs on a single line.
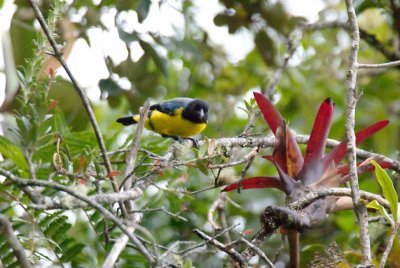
[[381, 65], [7, 231], [322, 25], [320, 193], [175, 215], [359, 208], [48, 203], [389, 245], [85, 100], [131, 159], [121, 242], [258, 251], [230, 251], [214, 207], [186, 251]]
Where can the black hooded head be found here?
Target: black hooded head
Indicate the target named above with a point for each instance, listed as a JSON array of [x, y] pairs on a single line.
[[196, 111]]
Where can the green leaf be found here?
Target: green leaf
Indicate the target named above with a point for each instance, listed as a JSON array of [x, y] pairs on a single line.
[[59, 122], [110, 86], [202, 166], [266, 47], [160, 61], [71, 251], [375, 205], [188, 264], [143, 9], [361, 6], [388, 189], [12, 152]]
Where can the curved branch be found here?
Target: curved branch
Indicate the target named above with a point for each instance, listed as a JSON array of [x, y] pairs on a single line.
[[312, 196], [7, 231], [85, 100]]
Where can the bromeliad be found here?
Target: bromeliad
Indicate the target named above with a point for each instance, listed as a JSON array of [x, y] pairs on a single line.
[[314, 169], [298, 174]]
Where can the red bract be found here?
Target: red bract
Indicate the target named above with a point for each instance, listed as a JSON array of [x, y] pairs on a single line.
[[314, 169]]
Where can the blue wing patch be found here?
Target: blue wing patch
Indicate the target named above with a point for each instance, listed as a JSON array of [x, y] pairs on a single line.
[[170, 106]]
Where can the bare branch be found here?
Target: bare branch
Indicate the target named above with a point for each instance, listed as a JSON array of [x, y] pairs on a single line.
[[230, 251], [8, 232], [258, 251], [215, 205], [381, 65], [175, 215], [322, 25], [131, 159], [320, 193], [47, 203], [248, 157], [359, 208], [389, 245]]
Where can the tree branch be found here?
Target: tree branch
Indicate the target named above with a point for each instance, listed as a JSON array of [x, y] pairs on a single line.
[[359, 208], [381, 65], [8, 232], [389, 245], [321, 193], [48, 203], [229, 250], [258, 251]]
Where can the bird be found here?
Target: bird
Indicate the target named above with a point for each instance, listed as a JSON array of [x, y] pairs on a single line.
[[178, 118]]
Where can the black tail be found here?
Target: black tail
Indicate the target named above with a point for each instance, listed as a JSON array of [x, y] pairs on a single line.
[[126, 121]]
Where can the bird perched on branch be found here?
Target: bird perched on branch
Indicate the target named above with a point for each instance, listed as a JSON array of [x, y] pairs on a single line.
[[175, 118]]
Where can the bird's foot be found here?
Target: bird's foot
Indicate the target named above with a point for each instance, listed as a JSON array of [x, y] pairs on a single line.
[[181, 140]]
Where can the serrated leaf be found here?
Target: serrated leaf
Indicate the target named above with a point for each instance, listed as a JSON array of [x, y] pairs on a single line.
[[12, 152], [388, 189], [375, 205]]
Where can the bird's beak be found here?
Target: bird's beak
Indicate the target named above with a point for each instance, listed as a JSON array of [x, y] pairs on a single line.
[[203, 115]]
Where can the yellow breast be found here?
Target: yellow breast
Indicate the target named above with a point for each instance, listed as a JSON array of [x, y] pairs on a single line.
[[173, 125]]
